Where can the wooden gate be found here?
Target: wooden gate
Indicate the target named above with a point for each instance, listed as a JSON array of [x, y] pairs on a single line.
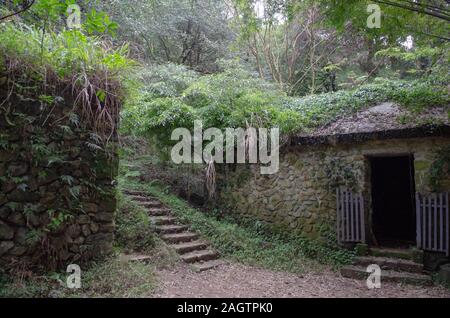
[[350, 216], [433, 225]]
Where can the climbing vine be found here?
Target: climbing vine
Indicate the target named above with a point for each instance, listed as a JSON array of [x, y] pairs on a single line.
[[341, 173], [440, 168]]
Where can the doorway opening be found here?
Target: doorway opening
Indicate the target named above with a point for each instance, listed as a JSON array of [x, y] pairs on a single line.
[[393, 188]]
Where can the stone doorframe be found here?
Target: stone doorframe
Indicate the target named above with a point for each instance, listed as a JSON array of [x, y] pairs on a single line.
[[367, 188]]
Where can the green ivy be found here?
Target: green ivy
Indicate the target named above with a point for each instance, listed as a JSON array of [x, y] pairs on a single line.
[[440, 168], [340, 173]]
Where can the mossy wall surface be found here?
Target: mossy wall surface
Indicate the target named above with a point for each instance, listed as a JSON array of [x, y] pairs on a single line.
[[301, 197], [57, 194]]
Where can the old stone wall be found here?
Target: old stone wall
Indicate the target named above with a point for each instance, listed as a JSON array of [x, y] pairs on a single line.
[[301, 196], [57, 195]]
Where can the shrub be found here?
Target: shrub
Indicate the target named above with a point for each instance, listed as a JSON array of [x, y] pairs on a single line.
[[133, 231], [167, 80], [66, 64]]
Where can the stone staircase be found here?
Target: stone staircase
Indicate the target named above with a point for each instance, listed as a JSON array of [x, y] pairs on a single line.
[[186, 243], [397, 265]]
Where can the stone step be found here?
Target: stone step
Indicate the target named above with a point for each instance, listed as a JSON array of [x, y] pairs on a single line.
[[163, 220], [407, 254], [180, 237], [359, 272], [158, 212], [197, 256], [134, 192], [135, 258], [150, 204], [183, 248], [184, 243], [385, 263], [171, 229], [204, 266], [142, 199]]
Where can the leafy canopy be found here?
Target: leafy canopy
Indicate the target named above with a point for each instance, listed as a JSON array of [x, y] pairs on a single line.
[[235, 98]]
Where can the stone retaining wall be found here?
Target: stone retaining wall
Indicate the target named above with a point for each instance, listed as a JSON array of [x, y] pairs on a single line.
[[57, 194]]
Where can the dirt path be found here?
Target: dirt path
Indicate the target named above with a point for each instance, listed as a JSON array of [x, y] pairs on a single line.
[[239, 281]]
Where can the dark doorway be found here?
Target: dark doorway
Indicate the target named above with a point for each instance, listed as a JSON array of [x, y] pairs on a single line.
[[394, 222]]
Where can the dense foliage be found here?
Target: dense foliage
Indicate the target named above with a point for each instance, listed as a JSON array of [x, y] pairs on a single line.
[[312, 46], [258, 56], [52, 66], [192, 33], [175, 96], [228, 63], [67, 53]]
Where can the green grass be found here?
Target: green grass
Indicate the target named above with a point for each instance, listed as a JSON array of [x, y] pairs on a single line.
[[109, 278], [133, 232], [438, 281], [249, 244], [67, 53]]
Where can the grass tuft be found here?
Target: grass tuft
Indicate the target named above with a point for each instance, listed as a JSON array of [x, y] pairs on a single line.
[[54, 66], [110, 278]]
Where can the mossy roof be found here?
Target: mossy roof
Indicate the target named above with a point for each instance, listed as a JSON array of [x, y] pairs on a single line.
[[383, 121]]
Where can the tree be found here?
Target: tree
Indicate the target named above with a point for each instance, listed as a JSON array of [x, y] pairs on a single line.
[[17, 7], [435, 9], [290, 43], [405, 25], [190, 32], [400, 18]]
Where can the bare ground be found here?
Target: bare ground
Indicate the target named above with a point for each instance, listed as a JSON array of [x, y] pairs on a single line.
[[239, 281]]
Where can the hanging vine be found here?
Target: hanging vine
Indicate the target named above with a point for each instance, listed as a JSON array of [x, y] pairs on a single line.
[[439, 169]]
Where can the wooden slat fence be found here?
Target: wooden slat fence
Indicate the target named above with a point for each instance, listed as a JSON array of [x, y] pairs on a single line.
[[433, 225], [350, 216]]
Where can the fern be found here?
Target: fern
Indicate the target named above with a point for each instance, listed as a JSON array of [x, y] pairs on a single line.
[[75, 192], [93, 147], [67, 179]]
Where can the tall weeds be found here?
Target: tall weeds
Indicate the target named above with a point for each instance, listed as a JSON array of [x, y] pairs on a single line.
[[67, 64]]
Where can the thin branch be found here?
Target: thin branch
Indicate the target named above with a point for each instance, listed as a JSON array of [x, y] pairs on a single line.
[[428, 34], [28, 6], [427, 6], [415, 30], [442, 16]]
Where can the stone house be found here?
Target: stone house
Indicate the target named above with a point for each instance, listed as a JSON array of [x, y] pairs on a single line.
[[379, 177]]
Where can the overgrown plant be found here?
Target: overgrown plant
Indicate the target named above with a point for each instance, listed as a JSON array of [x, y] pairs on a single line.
[[341, 174], [235, 98], [133, 230], [440, 168], [67, 65]]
